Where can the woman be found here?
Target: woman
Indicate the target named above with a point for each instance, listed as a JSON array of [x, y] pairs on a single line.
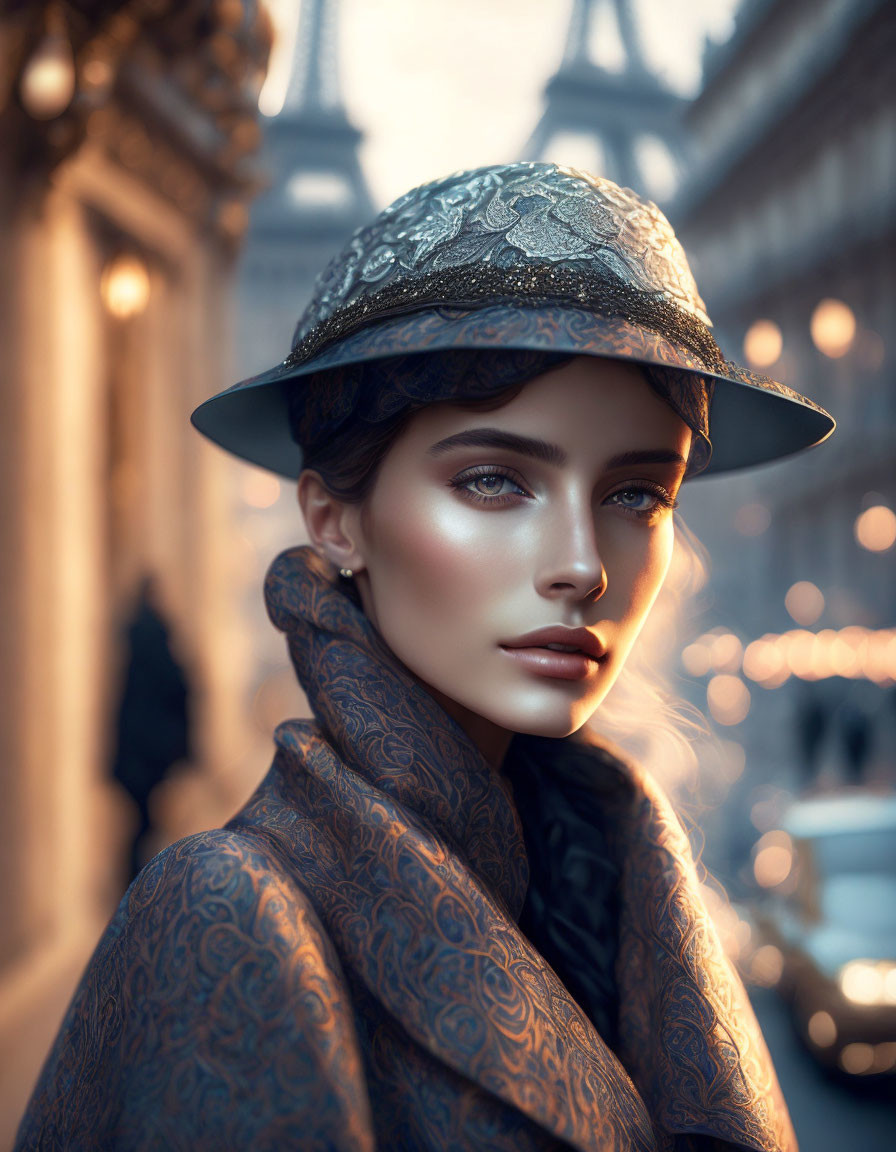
[[446, 919]]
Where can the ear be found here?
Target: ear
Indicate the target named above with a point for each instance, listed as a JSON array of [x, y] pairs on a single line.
[[333, 524]]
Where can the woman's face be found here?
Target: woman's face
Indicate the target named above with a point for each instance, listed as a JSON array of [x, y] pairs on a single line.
[[485, 529]]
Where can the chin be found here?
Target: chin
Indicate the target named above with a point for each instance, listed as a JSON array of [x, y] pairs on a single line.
[[552, 719]]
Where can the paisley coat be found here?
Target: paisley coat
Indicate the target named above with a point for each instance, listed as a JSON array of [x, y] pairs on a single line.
[[344, 966]]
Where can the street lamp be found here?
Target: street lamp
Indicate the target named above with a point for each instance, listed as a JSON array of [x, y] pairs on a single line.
[[124, 286], [47, 85]]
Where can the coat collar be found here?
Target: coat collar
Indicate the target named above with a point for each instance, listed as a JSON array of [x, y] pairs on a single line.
[[389, 794], [389, 729]]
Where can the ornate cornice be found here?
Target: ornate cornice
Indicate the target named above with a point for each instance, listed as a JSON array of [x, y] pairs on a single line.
[[169, 89]]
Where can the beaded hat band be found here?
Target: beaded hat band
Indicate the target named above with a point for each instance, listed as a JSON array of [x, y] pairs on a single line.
[[524, 257]]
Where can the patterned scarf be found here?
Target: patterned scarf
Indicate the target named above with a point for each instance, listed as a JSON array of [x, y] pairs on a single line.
[[434, 836], [360, 959]]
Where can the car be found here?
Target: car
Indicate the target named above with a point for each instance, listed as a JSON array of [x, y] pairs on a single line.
[[827, 926]]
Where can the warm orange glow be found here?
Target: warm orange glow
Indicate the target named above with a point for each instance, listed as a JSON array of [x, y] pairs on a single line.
[[48, 81], [728, 699], [726, 652], [857, 1059], [773, 860], [767, 966], [822, 1029], [772, 867], [752, 519], [764, 662], [125, 286], [763, 343], [805, 602], [696, 659], [884, 1056], [875, 528], [799, 652], [260, 489], [869, 982], [833, 328]]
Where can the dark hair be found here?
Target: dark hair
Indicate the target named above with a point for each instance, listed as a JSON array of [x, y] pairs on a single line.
[[346, 420]]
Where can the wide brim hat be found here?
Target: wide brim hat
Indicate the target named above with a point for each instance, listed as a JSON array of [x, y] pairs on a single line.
[[528, 257]]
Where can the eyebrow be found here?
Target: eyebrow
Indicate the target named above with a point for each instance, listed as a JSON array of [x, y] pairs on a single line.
[[545, 451]]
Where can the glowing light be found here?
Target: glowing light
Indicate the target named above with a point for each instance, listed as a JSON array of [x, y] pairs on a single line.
[[125, 286], [48, 81], [773, 861], [763, 343], [833, 328], [764, 663], [805, 602], [696, 659], [869, 981], [884, 1056], [97, 73], [767, 966], [822, 1029], [728, 699], [857, 1059], [726, 652], [261, 489], [875, 528]]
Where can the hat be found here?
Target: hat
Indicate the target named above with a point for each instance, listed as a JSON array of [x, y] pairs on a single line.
[[529, 257]]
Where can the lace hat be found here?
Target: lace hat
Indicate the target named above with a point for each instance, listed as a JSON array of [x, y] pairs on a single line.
[[528, 257]]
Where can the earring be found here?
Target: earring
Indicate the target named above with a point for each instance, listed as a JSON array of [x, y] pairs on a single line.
[[346, 572]]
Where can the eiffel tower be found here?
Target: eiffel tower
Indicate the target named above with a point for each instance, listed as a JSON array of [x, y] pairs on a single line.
[[621, 124], [317, 196]]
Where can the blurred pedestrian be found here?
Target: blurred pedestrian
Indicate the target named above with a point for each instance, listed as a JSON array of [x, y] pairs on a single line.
[[153, 730]]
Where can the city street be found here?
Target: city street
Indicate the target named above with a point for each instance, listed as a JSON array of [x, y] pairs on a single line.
[[827, 1114]]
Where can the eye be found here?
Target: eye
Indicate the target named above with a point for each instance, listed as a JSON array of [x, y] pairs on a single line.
[[643, 500], [488, 485]]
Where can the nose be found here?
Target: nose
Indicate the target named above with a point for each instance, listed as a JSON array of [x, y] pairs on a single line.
[[572, 567]]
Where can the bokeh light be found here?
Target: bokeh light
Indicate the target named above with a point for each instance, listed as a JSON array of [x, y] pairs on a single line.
[[728, 699], [875, 528], [833, 328], [821, 1029], [773, 859], [805, 602], [726, 653], [857, 1059], [764, 663], [763, 343], [125, 286], [766, 966], [48, 81]]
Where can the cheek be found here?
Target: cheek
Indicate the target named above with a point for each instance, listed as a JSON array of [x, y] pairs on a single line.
[[428, 553], [642, 573]]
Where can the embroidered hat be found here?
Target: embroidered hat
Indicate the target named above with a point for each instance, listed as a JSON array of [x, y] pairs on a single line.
[[528, 257]]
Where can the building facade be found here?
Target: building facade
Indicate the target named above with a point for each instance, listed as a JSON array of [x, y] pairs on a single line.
[[125, 169], [788, 218]]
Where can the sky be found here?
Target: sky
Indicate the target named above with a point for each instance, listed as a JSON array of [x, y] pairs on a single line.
[[441, 85]]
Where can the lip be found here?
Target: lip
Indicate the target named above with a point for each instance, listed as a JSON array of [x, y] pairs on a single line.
[[579, 638], [530, 651]]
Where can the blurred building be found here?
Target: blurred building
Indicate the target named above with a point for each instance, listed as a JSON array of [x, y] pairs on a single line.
[[605, 111], [788, 218], [126, 133], [315, 198], [316, 195]]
